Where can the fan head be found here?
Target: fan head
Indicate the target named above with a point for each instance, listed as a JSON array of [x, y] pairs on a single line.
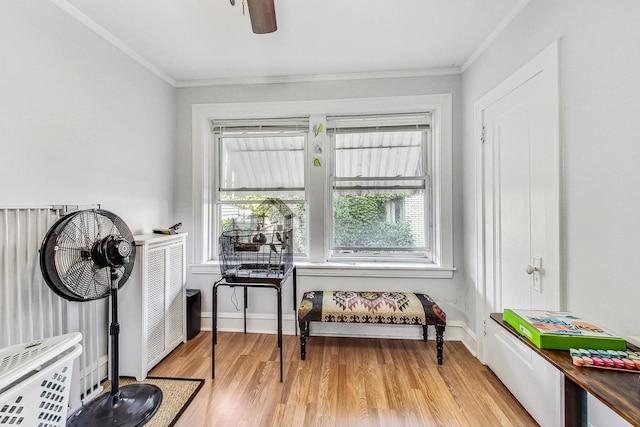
[[80, 252]]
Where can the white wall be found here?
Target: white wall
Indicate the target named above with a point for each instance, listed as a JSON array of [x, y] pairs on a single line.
[[80, 122], [600, 106], [447, 292]]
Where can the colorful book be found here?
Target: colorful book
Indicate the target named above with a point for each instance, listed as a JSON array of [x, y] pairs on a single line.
[[561, 330]]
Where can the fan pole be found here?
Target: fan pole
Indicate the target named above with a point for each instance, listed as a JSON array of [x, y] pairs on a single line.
[[114, 331]]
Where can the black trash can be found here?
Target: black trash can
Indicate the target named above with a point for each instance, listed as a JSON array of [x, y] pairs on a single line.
[[193, 312]]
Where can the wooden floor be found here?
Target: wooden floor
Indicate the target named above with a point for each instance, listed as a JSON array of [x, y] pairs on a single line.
[[343, 382]]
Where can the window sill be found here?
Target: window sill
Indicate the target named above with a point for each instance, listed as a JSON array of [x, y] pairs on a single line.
[[345, 269]]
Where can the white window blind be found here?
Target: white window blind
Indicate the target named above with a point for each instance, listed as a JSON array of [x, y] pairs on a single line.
[[261, 156]]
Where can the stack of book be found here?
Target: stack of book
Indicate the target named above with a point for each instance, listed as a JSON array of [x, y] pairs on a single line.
[[561, 330]]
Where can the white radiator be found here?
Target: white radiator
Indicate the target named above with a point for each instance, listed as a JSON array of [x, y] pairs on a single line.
[[29, 310]]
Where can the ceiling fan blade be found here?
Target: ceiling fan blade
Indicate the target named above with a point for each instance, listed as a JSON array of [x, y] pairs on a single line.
[[263, 16]]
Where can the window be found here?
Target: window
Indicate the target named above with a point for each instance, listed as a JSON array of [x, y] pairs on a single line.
[[380, 186], [374, 185], [257, 160]]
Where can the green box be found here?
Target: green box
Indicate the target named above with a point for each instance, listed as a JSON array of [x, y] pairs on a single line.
[[561, 330]]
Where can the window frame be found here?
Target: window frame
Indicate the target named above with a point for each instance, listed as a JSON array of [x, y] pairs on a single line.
[[419, 121], [317, 262], [259, 127]]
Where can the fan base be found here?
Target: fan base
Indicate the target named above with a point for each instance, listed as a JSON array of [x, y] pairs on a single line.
[[133, 405]]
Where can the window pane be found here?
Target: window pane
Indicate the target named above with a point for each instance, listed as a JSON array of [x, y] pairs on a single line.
[[237, 215], [379, 188], [379, 154], [274, 163], [379, 223], [255, 165]]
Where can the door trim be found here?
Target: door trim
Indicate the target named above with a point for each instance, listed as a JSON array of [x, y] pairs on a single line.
[[547, 62]]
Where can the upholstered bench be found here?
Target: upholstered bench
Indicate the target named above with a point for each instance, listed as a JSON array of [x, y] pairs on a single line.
[[398, 308]]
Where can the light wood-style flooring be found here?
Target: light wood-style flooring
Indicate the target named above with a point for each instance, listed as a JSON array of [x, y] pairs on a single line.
[[342, 382]]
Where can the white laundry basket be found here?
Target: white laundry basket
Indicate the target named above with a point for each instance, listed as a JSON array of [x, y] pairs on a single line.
[[35, 379]]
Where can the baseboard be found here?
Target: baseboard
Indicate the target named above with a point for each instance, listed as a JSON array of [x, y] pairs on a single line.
[[469, 339], [262, 323]]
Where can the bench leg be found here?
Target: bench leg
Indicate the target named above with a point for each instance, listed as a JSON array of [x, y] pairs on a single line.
[[424, 332], [304, 333], [440, 342]]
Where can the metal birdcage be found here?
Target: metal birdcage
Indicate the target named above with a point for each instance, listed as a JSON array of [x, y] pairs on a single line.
[[259, 246]]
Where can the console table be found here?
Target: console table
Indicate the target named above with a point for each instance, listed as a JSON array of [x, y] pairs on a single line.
[[620, 391], [252, 282]]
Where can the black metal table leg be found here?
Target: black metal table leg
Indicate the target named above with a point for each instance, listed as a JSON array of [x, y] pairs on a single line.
[[279, 291], [295, 301], [214, 334], [246, 304]]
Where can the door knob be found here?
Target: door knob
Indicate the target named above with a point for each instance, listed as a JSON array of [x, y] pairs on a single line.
[[531, 269]]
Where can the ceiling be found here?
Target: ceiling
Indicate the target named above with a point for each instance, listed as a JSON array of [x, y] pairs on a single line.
[[184, 41]]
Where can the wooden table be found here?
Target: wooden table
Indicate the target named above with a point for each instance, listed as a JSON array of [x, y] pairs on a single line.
[[620, 391]]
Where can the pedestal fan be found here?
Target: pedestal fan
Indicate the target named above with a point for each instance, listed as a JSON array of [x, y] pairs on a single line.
[[88, 255]]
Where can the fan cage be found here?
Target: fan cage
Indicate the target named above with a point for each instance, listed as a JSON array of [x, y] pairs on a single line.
[[66, 261], [258, 246]]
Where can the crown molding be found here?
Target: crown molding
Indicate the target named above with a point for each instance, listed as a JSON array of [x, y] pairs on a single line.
[[109, 37], [494, 34], [313, 78]]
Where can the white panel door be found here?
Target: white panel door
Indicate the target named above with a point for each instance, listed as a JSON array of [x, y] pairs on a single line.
[[517, 156], [508, 144], [520, 193], [519, 252]]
